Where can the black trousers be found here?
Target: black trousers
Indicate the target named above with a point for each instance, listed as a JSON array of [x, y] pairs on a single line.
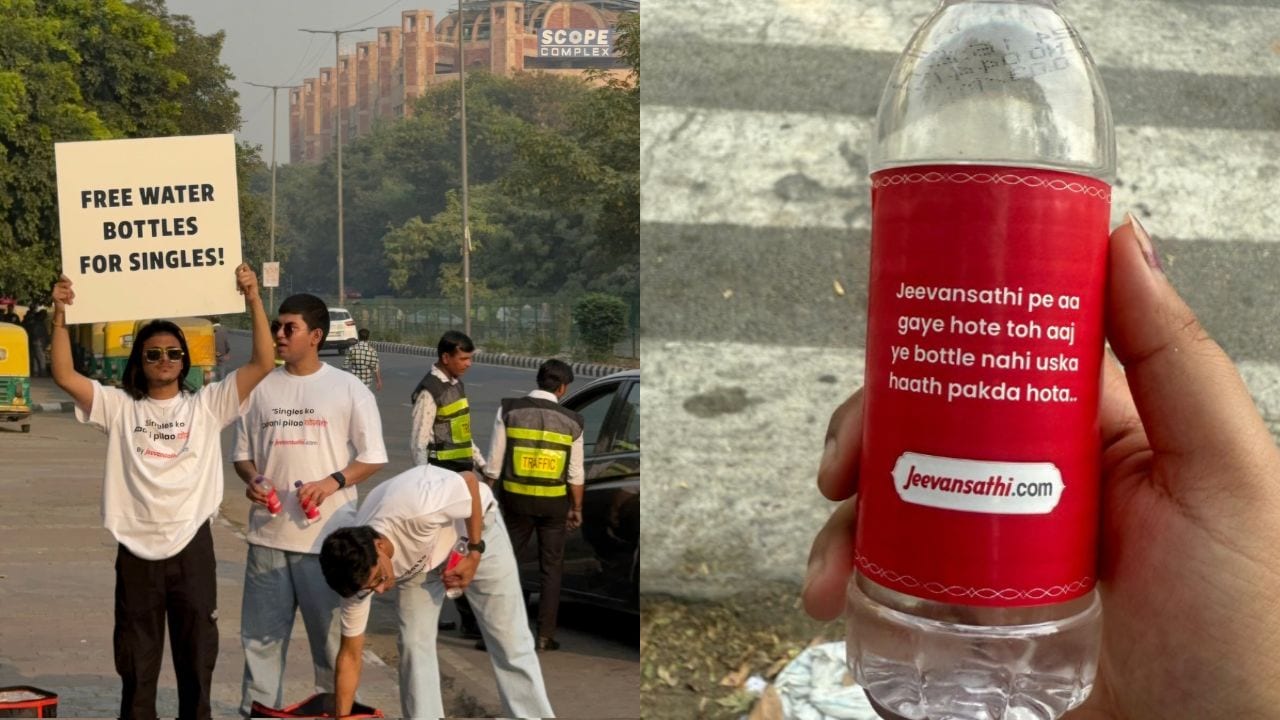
[[182, 589], [38, 365], [551, 532]]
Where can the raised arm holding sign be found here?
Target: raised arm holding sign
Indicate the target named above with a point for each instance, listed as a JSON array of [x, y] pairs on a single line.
[[163, 481]]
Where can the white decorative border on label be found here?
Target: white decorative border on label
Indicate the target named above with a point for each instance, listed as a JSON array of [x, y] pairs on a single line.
[[998, 178], [1056, 592]]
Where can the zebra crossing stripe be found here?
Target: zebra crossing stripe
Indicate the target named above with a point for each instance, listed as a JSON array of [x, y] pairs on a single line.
[[755, 121], [788, 169], [1181, 37]]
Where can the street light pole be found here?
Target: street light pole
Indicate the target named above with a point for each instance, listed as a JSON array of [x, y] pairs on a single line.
[[271, 292], [466, 227], [337, 127]]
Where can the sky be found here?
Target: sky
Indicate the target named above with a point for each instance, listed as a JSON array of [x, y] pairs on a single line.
[[263, 45]]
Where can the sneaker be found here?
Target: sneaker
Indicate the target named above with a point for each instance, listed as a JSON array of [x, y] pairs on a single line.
[[547, 644]]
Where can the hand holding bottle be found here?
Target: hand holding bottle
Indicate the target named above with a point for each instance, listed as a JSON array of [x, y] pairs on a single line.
[[308, 507], [261, 492], [459, 569], [1190, 513]]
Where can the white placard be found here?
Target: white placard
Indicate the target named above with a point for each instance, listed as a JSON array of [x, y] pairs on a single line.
[[271, 274], [150, 228]]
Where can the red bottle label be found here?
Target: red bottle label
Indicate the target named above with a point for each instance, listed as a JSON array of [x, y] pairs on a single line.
[[979, 480]]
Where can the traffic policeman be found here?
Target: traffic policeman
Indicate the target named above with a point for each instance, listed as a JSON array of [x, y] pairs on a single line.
[[536, 455]]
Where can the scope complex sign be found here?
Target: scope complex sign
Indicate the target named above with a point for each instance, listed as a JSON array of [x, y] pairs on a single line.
[[575, 42]]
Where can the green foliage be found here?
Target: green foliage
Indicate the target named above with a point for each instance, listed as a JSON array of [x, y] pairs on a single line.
[[255, 208], [425, 258], [602, 323], [90, 70], [553, 169], [627, 43]]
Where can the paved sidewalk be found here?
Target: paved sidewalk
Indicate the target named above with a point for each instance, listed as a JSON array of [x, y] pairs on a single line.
[[57, 582], [47, 397]]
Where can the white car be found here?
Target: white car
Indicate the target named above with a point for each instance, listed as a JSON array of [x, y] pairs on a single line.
[[342, 331]]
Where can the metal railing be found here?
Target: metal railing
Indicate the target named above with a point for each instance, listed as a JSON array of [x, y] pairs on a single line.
[[539, 326]]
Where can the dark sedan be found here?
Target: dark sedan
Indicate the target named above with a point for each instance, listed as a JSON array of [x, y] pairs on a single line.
[[602, 558]]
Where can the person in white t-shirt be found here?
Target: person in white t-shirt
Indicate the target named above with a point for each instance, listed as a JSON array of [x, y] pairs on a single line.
[[402, 537], [163, 483], [312, 423]]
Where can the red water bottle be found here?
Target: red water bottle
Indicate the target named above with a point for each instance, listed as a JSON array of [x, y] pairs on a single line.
[[311, 511], [458, 552], [991, 162], [273, 500]]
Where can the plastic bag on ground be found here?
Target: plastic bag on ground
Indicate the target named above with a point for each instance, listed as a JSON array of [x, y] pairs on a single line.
[[817, 686]]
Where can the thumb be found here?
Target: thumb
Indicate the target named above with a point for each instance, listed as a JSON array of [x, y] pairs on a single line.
[[1192, 402]]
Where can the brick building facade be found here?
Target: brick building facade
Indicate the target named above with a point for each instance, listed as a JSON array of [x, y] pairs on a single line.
[[383, 76]]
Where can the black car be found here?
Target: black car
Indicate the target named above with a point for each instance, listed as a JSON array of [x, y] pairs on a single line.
[[602, 558]]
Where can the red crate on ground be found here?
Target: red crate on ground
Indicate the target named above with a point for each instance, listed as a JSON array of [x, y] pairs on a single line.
[[27, 701]]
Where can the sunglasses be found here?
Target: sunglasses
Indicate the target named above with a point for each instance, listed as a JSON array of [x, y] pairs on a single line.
[[289, 328], [154, 354]]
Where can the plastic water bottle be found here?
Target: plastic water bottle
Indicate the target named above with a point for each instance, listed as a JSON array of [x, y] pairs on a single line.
[[974, 590], [311, 511], [273, 500], [458, 552]]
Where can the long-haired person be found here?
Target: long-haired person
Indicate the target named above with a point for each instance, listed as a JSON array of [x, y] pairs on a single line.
[[163, 483]]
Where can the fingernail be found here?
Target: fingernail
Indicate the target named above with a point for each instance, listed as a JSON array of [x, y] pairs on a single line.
[[828, 457], [1144, 243]]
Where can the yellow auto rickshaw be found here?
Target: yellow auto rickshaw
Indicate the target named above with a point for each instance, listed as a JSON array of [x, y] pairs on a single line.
[[117, 342], [15, 376], [199, 335], [204, 356]]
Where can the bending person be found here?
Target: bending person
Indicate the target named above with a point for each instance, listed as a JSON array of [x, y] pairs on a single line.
[[402, 537]]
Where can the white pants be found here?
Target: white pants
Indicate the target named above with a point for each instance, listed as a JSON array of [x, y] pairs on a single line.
[[495, 597]]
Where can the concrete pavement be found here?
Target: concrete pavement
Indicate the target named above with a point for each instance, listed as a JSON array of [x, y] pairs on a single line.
[[755, 124], [56, 589], [57, 580]]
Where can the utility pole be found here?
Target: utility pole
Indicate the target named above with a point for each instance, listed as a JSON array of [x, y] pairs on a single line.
[[337, 127], [466, 228], [271, 292]]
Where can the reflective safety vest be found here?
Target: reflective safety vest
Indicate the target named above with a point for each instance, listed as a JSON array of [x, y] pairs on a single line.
[[451, 431], [540, 436]]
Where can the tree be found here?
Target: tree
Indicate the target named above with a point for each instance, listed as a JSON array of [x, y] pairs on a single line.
[[554, 176], [602, 323], [255, 208], [205, 99], [627, 43], [90, 70], [425, 258]]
